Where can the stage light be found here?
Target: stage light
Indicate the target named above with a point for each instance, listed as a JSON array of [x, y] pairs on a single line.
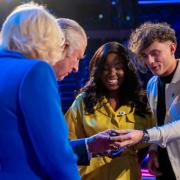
[[128, 18], [100, 16], [113, 2], [146, 2]]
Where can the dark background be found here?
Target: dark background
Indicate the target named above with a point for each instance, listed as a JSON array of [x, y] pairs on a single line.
[[104, 20]]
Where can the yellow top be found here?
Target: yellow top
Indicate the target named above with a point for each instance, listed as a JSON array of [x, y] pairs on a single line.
[[82, 124]]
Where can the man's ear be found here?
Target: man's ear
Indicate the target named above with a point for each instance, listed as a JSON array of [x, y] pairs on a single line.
[[173, 48], [67, 49]]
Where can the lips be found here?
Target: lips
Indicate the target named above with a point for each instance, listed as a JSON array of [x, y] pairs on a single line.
[[112, 81], [154, 67]]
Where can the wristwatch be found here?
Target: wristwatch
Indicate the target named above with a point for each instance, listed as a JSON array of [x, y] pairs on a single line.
[[145, 138]]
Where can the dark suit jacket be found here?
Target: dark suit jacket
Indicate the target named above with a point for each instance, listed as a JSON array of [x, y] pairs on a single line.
[[79, 149], [33, 133]]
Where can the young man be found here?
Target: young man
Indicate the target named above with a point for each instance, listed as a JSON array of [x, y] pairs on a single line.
[[155, 46]]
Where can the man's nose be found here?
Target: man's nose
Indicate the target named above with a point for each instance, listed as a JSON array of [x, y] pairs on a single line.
[[75, 67], [150, 60]]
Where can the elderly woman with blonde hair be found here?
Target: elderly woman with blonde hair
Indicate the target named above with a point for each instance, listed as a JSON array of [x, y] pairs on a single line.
[[34, 139]]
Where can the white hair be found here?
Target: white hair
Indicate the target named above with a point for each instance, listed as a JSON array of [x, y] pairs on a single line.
[[75, 35], [31, 30]]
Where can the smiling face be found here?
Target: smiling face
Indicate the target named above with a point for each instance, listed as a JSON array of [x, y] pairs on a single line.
[[113, 73], [69, 64], [159, 57]]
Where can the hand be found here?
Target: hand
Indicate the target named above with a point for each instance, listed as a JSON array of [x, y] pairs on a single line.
[[101, 143], [153, 163], [127, 137]]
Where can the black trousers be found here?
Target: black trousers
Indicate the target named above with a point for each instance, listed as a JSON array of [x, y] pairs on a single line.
[[165, 165]]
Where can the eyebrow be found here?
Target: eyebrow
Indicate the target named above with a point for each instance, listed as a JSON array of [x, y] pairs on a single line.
[[143, 54]]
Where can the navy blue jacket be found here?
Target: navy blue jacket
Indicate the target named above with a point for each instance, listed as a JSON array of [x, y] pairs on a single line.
[[80, 150]]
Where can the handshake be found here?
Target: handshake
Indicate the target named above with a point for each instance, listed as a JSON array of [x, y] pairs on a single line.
[[112, 142]]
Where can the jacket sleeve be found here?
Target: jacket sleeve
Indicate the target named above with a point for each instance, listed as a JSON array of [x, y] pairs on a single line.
[[80, 150], [162, 135], [150, 122], [45, 123], [74, 118]]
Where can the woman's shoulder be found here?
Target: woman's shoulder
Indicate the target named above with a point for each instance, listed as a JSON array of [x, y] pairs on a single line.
[[79, 100], [81, 96]]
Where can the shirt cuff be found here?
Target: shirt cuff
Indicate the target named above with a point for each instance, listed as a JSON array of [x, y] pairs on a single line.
[[87, 149]]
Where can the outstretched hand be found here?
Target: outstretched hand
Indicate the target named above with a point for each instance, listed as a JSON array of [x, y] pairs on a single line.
[[125, 138], [109, 140], [101, 142]]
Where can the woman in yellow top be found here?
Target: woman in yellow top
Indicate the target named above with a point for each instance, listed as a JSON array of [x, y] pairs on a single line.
[[111, 99]]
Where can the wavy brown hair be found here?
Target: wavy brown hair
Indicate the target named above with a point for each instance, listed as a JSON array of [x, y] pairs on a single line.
[[131, 88], [143, 36]]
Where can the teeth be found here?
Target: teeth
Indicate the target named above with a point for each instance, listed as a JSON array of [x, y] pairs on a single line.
[[112, 81]]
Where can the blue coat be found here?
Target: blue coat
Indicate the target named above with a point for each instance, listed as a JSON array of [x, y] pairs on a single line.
[[33, 134]]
